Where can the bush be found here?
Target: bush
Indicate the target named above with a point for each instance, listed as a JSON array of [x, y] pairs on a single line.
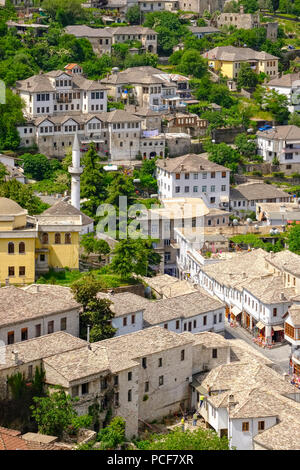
[[278, 174]]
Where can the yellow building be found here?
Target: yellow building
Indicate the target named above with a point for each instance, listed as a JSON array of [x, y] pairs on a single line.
[[228, 59], [29, 246]]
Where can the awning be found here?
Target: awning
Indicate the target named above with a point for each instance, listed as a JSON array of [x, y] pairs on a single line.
[[278, 328], [235, 311], [259, 325]]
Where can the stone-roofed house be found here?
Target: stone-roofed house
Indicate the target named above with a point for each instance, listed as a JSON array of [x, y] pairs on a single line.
[[228, 59], [201, 31], [102, 39], [281, 143], [278, 214], [244, 197], [64, 207], [288, 85], [194, 176], [35, 311]]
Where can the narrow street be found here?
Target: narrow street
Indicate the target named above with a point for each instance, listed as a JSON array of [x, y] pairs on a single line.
[[279, 355]]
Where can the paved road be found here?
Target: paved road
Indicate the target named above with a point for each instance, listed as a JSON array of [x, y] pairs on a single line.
[[280, 355]]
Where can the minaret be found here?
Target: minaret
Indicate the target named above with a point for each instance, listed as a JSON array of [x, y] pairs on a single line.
[[75, 171]]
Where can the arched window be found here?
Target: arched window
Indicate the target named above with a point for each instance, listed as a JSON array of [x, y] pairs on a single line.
[[57, 239], [67, 238], [45, 238], [21, 247], [11, 247]]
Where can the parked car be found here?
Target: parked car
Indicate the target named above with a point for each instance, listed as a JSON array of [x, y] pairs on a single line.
[[265, 128]]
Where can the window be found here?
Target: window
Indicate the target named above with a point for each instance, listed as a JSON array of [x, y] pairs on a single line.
[[63, 324], [144, 362], [21, 270], [215, 319], [245, 426], [67, 238], [11, 248], [38, 330], [50, 327], [274, 312], [84, 389], [21, 247], [57, 239], [195, 324], [10, 337], [129, 395], [24, 334], [261, 425], [30, 371], [213, 174], [182, 355], [186, 189], [132, 319], [214, 353], [116, 380], [160, 362], [204, 320], [75, 391], [160, 380], [129, 376], [223, 174], [11, 270], [177, 324], [103, 383], [289, 330], [220, 317], [146, 387], [125, 321], [166, 326]]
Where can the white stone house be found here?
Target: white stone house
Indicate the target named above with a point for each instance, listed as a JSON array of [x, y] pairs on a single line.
[[147, 6], [35, 311], [282, 143], [288, 85], [194, 176]]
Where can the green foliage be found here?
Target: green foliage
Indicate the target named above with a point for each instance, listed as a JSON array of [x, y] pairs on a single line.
[[134, 256], [294, 119], [23, 195], [293, 239], [121, 185], [245, 145], [64, 12], [139, 60], [146, 174], [112, 435], [3, 172], [92, 186], [17, 385], [97, 68], [133, 15], [223, 154], [94, 245], [10, 116], [169, 29], [192, 63], [200, 439], [53, 413], [247, 78], [36, 166], [275, 103], [96, 312]]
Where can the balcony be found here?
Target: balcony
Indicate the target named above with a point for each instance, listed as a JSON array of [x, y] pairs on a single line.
[[159, 107], [63, 99]]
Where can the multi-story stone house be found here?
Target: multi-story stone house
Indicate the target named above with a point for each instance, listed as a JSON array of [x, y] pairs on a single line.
[[37, 310], [278, 214], [281, 143], [292, 335], [245, 197], [148, 87], [140, 376], [200, 7], [60, 93], [288, 85], [258, 288], [147, 6], [228, 60], [194, 176], [102, 39], [201, 31]]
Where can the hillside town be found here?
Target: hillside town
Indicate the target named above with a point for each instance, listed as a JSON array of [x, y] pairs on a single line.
[[149, 225]]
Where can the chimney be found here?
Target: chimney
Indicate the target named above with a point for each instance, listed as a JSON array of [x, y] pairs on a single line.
[[244, 275], [182, 167], [282, 296], [37, 288], [231, 402]]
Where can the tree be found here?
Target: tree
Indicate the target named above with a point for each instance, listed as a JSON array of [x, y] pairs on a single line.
[[293, 239], [224, 155], [134, 256], [133, 15], [64, 11], [10, 116], [96, 312], [192, 63], [36, 166], [94, 245], [200, 439], [112, 435], [245, 145], [3, 172], [92, 186], [277, 104], [294, 119], [169, 28], [247, 78], [23, 195], [53, 413], [121, 185]]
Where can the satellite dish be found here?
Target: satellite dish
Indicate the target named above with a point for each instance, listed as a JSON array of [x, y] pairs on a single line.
[[235, 222], [272, 231], [256, 227], [147, 291], [249, 221]]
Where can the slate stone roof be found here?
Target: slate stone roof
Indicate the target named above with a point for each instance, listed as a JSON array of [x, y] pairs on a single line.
[[290, 132], [189, 163], [231, 54], [65, 208], [256, 191]]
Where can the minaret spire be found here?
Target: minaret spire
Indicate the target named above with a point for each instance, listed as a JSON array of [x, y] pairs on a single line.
[[75, 171]]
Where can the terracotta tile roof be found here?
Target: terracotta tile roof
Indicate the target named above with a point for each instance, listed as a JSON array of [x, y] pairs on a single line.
[[11, 440]]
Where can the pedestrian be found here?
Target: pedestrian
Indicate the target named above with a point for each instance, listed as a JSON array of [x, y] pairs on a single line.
[[195, 417], [201, 400], [182, 424]]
